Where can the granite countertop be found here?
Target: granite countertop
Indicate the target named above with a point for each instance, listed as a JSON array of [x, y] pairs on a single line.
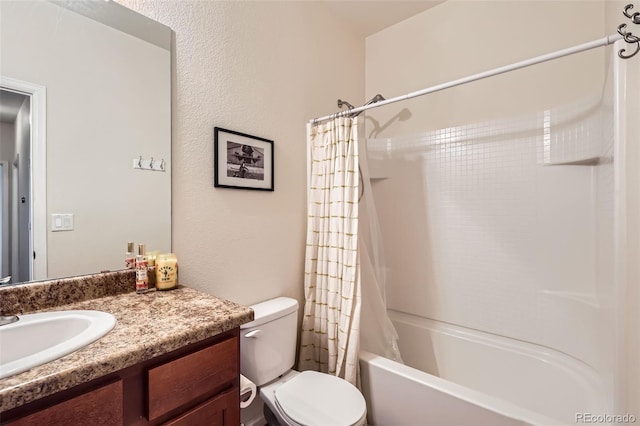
[[148, 325]]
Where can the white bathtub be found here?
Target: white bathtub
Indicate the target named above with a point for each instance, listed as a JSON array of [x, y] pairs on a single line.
[[475, 378]]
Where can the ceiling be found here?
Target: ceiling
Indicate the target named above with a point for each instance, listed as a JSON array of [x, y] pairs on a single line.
[[370, 16]]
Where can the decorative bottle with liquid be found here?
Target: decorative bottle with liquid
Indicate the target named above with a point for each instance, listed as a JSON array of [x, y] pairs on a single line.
[[142, 277], [151, 268], [130, 256]]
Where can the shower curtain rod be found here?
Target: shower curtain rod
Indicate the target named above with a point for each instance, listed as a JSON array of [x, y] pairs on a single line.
[[496, 71]]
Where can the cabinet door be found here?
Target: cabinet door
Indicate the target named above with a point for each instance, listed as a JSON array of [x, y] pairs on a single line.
[[99, 407], [178, 383], [221, 410]]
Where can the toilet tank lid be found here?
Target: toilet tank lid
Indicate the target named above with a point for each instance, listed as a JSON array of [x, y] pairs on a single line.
[[270, 310]]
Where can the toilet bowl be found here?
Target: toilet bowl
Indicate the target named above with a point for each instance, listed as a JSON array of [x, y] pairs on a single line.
[[308, 398]]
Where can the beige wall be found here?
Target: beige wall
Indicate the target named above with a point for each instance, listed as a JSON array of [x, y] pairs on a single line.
[[262, 68], [459, 38]]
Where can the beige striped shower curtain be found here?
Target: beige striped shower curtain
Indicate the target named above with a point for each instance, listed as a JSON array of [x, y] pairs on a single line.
[[330, 336]]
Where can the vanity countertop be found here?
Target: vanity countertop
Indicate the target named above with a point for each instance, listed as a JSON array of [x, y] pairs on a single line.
[[149, 325]]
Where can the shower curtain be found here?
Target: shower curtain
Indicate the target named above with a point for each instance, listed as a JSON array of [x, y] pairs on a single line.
[[330, 336], [344, 277], [378, 336]]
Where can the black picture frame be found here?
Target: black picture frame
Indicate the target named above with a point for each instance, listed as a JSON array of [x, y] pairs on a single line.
[[242, 161]]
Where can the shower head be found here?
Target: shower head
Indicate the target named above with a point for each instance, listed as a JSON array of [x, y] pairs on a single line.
[[376, 98]]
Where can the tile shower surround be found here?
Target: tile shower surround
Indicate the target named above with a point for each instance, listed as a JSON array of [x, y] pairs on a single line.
[[505, 227]]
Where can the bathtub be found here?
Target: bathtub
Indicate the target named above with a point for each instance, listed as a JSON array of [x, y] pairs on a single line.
[[467, 377]]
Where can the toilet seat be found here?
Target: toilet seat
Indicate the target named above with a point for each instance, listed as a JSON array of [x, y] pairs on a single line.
[[312, 398]]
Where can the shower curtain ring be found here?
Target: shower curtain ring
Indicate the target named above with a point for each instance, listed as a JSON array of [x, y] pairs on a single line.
[[635, 18], [630, 39]]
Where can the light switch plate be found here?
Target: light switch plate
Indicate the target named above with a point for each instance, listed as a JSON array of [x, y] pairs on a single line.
[[61, 222]]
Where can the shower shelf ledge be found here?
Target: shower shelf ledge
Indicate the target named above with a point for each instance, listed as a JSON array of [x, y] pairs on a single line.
[[591, 161]]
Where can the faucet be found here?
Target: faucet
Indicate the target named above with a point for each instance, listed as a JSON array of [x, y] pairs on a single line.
[[5, 280]]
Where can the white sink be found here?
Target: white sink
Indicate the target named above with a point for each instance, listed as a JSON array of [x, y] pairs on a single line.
[[36, 339]]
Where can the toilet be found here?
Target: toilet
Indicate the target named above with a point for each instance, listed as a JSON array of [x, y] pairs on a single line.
[[292, 398]]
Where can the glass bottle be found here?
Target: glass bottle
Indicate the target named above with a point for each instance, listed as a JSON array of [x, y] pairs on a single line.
[[142, 276], [130, 256]]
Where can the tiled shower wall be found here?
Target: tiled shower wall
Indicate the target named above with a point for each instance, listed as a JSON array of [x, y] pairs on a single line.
[[506, 227]]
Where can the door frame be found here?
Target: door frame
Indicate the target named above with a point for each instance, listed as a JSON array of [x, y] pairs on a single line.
[[38, 168]]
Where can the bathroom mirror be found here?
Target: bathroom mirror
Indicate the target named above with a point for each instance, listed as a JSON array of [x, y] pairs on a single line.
[[97, 173]]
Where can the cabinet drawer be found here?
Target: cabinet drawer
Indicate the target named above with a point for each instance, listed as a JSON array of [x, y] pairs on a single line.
[[176, 383], [102, 406], [222, 410]]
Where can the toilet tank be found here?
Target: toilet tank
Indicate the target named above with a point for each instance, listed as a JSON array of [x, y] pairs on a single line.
[[268, 343]]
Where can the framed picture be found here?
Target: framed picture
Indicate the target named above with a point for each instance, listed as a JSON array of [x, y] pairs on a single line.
[[242, 161]]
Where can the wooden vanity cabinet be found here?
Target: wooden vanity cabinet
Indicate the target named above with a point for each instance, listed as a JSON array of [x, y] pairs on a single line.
[[217, 411], [195, 385], [102, 405], [177, 383]]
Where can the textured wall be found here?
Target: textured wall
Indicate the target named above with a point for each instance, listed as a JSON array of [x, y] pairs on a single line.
[[262, 68]]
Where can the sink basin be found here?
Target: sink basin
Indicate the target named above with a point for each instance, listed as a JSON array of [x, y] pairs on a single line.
[[36, 339]]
